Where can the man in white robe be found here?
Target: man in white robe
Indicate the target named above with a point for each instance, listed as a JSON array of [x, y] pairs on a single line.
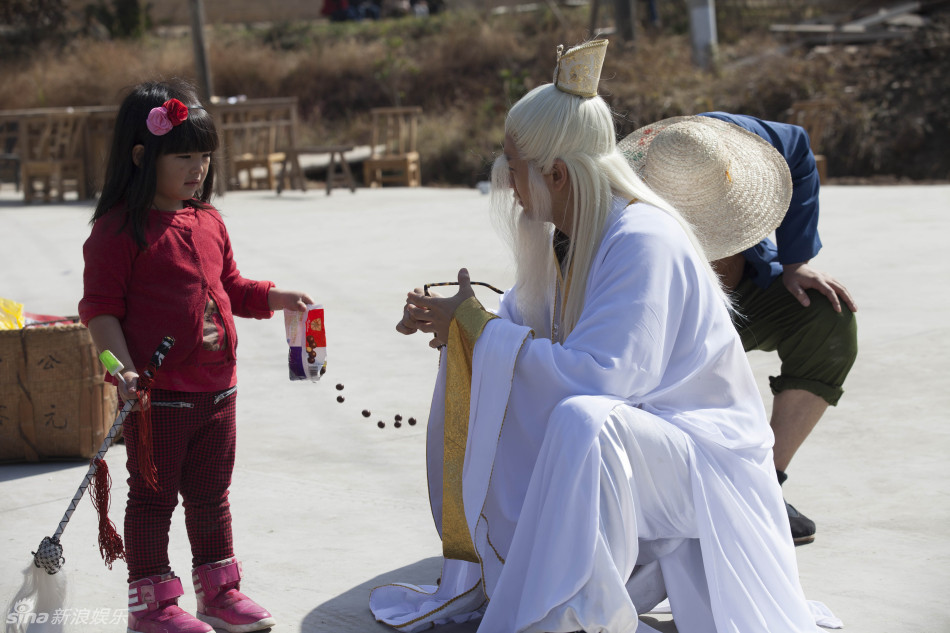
[[600, 443]]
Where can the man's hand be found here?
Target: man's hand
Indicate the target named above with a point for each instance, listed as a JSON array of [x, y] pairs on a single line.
[[433, 314], [798, 278], [410, 324], [293, 300]]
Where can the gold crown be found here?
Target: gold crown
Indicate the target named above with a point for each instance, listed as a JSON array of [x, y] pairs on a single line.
[[578, 70]]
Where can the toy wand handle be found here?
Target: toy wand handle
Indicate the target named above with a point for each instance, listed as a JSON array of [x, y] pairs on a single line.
[[114, 367]]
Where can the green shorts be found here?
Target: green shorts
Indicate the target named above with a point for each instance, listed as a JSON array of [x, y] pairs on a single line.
[[817, 346]]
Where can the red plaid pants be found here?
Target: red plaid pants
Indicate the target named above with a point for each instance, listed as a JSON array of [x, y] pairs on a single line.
[[193, 446]]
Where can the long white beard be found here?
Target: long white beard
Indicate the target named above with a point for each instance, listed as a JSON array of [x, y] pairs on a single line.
[[530, 241]]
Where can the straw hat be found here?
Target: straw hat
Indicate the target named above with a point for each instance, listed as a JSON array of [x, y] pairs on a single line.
[[730, 184]]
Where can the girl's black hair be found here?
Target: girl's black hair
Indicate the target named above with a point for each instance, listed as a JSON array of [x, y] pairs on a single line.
[[134, 185]]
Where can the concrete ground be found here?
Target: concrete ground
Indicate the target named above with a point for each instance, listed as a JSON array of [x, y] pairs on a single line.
[[326, 505]]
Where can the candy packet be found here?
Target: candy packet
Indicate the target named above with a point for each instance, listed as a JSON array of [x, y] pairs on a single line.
[[307, 340]]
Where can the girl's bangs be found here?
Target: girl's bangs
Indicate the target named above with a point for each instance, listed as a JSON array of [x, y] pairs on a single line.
[[196, 134]]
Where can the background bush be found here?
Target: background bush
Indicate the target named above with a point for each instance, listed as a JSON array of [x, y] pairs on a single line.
[[891, 102]]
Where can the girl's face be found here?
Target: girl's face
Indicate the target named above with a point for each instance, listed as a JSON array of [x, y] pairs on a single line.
[[178, 177]]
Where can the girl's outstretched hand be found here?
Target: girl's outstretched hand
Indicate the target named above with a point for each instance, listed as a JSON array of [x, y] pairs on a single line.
[[294, 300]]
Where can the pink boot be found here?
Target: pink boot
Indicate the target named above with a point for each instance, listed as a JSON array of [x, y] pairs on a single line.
[[153, 607], [221, 605]]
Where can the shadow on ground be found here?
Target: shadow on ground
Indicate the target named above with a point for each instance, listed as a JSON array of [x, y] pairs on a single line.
[[352, 607], [16, 470], [19, 205]]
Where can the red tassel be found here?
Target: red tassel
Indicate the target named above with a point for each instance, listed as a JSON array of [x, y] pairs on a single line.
[[146, 465], [110, 542]]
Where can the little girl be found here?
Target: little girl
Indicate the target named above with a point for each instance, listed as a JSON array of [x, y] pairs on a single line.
[[158, 263]]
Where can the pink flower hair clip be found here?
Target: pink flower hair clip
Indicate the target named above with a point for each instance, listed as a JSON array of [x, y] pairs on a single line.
[[162, 119]]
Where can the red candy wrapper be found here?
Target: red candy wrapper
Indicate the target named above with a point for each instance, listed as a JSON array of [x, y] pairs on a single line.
[[307, 340]]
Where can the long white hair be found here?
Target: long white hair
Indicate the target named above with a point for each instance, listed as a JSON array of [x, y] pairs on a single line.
[[547, 125]]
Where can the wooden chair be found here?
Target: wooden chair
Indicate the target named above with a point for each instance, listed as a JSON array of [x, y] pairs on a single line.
[[253, 131], [817, 117], [254, 150], [52, 156], [9, 151], [394, 158]]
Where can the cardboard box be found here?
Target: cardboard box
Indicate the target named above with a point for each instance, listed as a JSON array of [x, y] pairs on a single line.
[[54, 403]]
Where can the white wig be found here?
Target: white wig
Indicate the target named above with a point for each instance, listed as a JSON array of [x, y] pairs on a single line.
[[547, 125]]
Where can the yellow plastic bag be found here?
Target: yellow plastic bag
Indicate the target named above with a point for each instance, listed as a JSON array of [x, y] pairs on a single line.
[[11, 315]]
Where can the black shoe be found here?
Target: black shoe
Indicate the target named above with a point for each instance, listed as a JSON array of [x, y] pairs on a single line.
[[803, 528]]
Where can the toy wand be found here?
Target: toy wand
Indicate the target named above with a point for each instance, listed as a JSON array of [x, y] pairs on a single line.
[[49, 555]]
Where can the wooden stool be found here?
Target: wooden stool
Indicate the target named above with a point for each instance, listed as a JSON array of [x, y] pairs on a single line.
[[338, 170]]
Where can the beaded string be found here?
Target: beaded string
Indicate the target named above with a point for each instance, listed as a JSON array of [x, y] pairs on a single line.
[[425, 288]]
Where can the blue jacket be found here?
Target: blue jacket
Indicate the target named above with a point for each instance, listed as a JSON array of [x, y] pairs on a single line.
[[797, 235]]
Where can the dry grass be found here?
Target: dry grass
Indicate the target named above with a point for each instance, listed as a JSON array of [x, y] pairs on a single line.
[[466, 68]]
